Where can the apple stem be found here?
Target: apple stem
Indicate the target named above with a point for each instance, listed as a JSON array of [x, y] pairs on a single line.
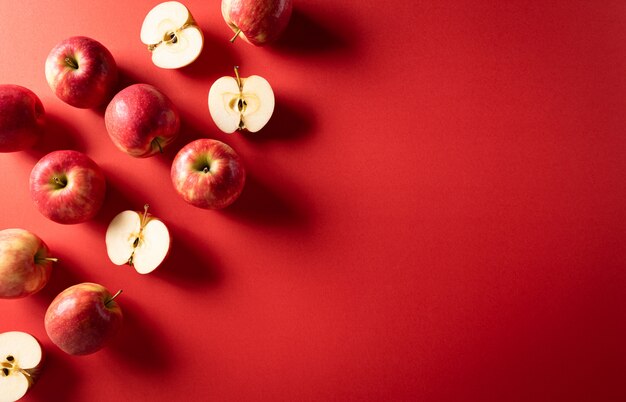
[[158, 144], [59, 181], [238, 78], [106, 303], [145, 215], [51, 259], [71, 62], [232, 40]]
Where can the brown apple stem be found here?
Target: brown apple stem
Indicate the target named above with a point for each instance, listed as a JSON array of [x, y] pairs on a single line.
[[232, 40], [106, 303], [143, 218], [158, 144], [238, 78], [51, 259], [59, 181], [71, 62]]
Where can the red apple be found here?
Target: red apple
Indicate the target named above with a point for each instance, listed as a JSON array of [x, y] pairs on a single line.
[[67, 187], [141, 120], [208, 174], [83, 318], [22, 118], [25, 264], [257, 21], [81, 72]]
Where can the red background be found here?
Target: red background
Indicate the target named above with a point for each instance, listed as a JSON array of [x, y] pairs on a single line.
[[435, 211]]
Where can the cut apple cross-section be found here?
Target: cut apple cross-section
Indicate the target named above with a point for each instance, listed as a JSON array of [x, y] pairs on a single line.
[[237, 103], [137, 239], [20, 357], [172, 35]]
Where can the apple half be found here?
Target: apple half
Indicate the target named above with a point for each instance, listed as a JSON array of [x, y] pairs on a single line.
[[20, 359], [172, 35], [237, 103], [137, 239]]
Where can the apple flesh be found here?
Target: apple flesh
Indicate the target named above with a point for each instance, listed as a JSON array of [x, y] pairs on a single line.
[[81, 72], [258, 22], [25, 263], [67, 187], [172, 35], [241, 103], [22, 118], [21, 357], [137, 239], [208, 174], [83, 318], [141, 120]]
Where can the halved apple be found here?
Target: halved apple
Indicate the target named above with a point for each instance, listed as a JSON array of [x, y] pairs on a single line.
[[20, 359], [138, 239], [172, 35], [241, 103]]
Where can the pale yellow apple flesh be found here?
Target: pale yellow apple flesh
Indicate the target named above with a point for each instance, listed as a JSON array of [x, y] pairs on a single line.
[[241, 103], [172, 35], [20, 355], [137, 240]]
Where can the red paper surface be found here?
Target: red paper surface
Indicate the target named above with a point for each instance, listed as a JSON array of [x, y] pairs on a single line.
[[435, 212]]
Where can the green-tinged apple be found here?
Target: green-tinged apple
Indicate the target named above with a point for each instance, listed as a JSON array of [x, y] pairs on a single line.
[[257, 21], [83, 318], [138, 239], [81, 72], [22, 118], [21, 358], [208, 174], [25, 263], [141, 120], [67, 187], [172, 35], [237, 103]]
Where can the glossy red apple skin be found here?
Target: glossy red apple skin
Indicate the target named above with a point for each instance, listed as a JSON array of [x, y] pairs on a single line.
[[24, 269], [79, 199], [22, 118], [79, 322], [261, 21], [217, 187], [92, 83], [138, 117]]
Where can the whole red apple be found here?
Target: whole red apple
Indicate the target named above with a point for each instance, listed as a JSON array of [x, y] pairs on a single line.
[[67, 187], [83, 318], [22, 118], [81, 72], [208, 174], [141, 120], [25, 264], [257, 21]]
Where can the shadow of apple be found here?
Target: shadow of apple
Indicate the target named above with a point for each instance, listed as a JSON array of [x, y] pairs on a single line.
[[58, 134], [137, 343], [53, 378], [308, 35], [292, 120], [188, 265]]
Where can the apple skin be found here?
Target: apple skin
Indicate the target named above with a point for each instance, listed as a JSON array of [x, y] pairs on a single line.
[[80, 322], [22, 118], [78, 195], [91, 80], [260, 21], [141, 120], [25, 265], [208, 174]]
